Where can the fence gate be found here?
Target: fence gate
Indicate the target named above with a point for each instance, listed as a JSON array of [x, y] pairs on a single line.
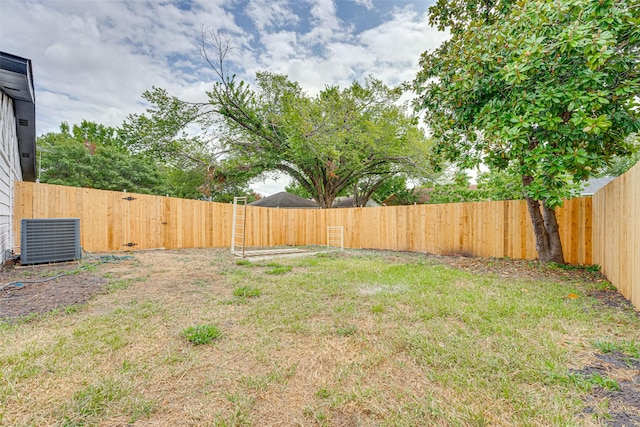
[[141, 221], [238, 226]]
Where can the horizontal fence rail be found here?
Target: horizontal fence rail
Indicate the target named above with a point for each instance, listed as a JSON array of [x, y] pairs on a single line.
[[112, 221]]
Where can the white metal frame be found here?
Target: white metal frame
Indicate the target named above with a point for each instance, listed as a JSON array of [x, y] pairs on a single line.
[[335, 236], [238, 226]]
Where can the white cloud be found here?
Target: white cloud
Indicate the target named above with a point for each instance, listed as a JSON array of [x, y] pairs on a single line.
[[325, 24], [389, 51], [403, 38], [366, 3], [267, 15], [93, 60], [280, 46], [270, 186]]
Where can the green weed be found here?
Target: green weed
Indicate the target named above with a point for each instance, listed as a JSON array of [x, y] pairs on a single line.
[[377, 308], [594, 268], [201, 334], [606, 286], [124, 283], [73, 309], [95, 399], [323, 393], [588, 381], [346, 330], [281, 269], [103, 398], [246, 292]]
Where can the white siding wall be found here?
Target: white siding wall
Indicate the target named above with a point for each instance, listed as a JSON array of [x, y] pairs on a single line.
[[9, 172]]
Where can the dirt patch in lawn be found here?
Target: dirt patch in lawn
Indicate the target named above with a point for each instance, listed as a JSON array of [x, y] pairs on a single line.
[[621, 394], [30, 290]]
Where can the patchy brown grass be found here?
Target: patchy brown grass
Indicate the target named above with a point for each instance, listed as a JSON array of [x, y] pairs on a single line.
[[441, 347]]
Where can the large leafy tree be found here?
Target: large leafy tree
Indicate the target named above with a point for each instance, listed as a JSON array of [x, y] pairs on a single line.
[[341, 139], [92, 155], [350, 139], [195, 159], [546, 89]]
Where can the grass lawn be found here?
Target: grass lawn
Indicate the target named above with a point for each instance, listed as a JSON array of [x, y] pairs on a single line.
[[358, 338]]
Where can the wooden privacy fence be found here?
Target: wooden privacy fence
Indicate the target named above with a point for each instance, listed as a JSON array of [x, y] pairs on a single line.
[[111, 220], [487, 229], [616, 233]]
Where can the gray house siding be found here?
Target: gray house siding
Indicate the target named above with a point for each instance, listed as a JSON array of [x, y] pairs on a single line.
[[17, 139], [10, 172]]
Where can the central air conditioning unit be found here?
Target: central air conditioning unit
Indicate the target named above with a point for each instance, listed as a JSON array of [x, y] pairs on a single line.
[[46, 240]]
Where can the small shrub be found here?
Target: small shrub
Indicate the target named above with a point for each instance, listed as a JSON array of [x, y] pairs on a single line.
[[201, 334], [246, 292]]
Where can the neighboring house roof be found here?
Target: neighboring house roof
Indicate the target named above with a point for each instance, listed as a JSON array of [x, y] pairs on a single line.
[[348, 202], [16, 81], [594, 184], [285, 200]]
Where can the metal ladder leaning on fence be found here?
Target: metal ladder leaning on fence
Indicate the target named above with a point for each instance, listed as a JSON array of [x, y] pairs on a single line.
[[238, 227]]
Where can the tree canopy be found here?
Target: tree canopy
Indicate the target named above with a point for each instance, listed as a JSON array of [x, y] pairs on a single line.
[[546, 89], [92, 155], [456, 15], [350, 138]]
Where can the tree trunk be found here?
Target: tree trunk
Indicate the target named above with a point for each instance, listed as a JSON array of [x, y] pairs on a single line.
[[553, 233], [545, 228]]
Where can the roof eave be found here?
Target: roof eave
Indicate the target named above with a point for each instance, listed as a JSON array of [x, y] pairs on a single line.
[[26, 131], [18, 70]]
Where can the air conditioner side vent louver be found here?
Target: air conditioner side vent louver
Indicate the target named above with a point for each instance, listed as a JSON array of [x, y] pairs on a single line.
[[44, 240]]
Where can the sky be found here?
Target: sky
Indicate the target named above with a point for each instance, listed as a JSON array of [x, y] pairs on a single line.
[[93, 59]]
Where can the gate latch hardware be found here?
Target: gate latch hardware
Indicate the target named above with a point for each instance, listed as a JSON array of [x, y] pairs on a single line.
[[129, 198], [130, 244]]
